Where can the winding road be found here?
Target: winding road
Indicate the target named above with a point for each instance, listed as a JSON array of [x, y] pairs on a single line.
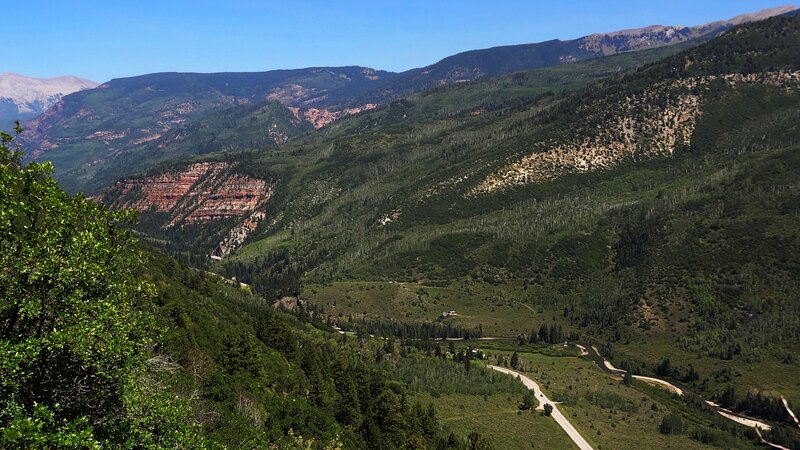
[[591, 353], [556, 414]]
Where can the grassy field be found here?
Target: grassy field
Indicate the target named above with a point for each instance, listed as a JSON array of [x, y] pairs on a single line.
[[497, 309], [508, 311], [767, 374], [500, 421], [608, 414]]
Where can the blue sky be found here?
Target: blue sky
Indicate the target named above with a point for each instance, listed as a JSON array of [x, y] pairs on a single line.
[[101, 40]]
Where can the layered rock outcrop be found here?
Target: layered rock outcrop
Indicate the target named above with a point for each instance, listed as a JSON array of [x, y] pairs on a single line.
[[199, 193], [318, 118]]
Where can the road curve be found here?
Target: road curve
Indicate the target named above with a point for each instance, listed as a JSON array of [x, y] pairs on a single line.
[[556, 414], [590, 352]]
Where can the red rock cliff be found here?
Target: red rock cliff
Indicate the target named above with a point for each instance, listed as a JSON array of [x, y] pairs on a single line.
[[200, 192]]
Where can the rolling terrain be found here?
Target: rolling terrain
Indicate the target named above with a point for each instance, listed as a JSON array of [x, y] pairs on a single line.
[[129, 124], [125, 126], [649, 211], [644, 201]]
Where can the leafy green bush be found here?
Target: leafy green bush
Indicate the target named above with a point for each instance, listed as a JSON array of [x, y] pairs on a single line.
[[671, 424], [73, 335]]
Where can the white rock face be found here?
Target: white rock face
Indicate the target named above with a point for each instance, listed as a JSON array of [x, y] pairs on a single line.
[[761, 15], [32, 96]]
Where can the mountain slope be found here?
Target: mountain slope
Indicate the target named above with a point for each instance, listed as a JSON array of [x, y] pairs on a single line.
[[112, 131], [23, 98], [421, 169], [90, 130], [396, 169], [494, 61], [679, 242], [487, 97]]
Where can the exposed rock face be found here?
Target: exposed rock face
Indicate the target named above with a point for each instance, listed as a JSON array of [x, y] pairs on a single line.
[[238, 234], [201, 192], [651, 124], [637, 39], [290, 94], [318, 118], [370, 74]]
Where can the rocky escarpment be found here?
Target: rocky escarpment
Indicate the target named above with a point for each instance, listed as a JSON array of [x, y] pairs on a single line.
[[637, 39], [650, 124], [199, 193], [318, 118]]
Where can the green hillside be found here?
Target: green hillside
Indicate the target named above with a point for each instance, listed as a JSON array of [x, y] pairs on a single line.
[[684, 251], [107, 345], [440, 112], [112, 130], [127, 125], [645, 203]]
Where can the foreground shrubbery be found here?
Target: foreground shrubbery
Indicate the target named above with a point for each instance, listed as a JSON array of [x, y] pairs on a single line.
[[73, 337], [106, 345]]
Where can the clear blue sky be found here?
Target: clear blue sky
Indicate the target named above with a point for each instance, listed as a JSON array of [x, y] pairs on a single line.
[[101, 40]]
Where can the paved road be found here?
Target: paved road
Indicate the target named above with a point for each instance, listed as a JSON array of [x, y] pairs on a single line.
[[556, 414]]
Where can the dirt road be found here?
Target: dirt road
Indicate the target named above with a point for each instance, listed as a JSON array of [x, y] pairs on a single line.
[[591, 353], [556, 414]]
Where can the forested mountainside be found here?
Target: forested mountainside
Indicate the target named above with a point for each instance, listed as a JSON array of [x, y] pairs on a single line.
[[504, 93], [435, 167], [128, 122], [650, 211], [127, 125], [256, 377], [106, 345]]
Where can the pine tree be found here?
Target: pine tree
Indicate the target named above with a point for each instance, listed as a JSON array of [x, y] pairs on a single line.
[[515, 361], [544, 334], [533, 338]]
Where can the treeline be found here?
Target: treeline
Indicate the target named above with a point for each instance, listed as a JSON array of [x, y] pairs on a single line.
[[274, 275], [258, 375], [719, 431], [665, 369], [411, 330], [546, 334], [755, 403], [452, 372]]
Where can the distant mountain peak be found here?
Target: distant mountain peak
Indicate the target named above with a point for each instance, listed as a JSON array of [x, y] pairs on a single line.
[[23, 97], [657, 35], [761, 15]]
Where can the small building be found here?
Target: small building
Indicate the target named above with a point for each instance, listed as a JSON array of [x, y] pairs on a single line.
[[446, 314]]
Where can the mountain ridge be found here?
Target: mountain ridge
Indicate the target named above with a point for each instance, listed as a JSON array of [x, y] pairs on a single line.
[[645, 203], [23, 97], [466, 65], [98, 131]]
